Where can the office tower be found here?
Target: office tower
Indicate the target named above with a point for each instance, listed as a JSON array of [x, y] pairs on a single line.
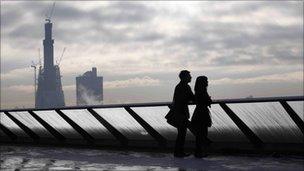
[[89, 88]]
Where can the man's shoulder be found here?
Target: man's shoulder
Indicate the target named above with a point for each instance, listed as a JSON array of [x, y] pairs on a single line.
[[178, 86], [183, 85]]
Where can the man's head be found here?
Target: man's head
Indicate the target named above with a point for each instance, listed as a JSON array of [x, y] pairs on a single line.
[[185, 76]]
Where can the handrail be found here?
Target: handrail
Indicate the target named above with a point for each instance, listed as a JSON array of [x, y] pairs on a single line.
[[162, 141], [153, 104]]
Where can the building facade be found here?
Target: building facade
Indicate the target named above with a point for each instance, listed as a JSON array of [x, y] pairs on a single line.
[[49, 92], [89, 88]]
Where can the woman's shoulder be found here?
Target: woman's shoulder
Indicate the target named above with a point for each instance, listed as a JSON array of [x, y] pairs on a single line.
[[202, 96]]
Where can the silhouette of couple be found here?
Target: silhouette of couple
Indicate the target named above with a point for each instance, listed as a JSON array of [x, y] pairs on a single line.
[[179, 113]]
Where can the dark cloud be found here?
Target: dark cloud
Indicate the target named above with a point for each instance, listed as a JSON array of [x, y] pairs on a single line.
[[129, 12], [26, 31], [236, 60], [99, 24], [282, 33], [285, 55], [275, 55], [222, 37], [239, 35], [287, 8], [115, 13], [11, 65], [104, 34], [149, 37], [10, 17], [239, 8], [64, 12]]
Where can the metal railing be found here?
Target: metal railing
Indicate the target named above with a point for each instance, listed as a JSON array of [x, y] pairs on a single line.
[[161, 140]]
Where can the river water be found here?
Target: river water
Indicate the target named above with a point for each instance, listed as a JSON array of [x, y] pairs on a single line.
[[55, 158]]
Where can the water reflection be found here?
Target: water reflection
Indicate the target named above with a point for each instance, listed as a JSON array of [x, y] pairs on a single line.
[[49, 158]]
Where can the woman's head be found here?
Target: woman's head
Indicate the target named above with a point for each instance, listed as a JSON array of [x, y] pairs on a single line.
[[200, 83]]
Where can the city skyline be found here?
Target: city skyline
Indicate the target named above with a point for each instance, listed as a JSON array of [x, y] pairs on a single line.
[[252, 48]]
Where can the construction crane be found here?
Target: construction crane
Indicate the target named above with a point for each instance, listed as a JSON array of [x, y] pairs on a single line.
[[35, 78], [48, 17], [39, 57], [34, 66], [59, 60]]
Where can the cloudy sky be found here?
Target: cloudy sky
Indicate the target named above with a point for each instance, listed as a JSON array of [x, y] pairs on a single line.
[[245, 48]]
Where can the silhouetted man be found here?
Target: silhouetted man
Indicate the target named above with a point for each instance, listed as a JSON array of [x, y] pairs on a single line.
[[182, 95]]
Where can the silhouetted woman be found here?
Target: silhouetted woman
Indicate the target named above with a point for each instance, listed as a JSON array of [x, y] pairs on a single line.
[[201, 119]]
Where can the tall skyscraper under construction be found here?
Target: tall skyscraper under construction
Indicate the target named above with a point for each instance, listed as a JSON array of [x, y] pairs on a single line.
[[49, 92], [89, 88]]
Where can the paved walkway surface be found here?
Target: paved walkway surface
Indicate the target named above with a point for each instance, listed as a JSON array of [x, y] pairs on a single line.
[[48, 158]]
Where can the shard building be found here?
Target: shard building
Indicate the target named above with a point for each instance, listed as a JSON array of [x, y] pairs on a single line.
[[49, 92]]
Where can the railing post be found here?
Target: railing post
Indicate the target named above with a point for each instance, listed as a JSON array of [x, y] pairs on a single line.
[[48, 127], [159, 138], [80, 130], [27, 130], [118, 135], [299, 122], [242, 126]]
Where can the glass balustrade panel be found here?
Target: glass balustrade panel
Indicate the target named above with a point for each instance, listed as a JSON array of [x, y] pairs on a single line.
[[124, 122], [223, 129], [29, 121], [269, 121], [11, 125], [89, 123], [155, 117], [58, 123], [298, 107]]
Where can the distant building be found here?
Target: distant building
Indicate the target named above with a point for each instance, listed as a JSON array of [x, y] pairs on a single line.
[[89, 88], [49, 92]]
